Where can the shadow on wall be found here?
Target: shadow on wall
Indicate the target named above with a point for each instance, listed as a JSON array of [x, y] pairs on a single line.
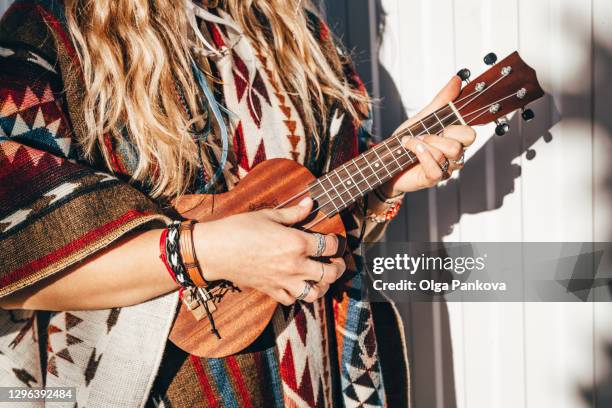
[[469, 194]]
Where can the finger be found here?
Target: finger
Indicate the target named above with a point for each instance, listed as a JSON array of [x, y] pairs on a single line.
[[436, 153], [323, 272], [296, 287], [283, 297], [330, 244], [447, 94], [463, 134], [450, 148], [431, 167], [291, 215], [322, 288]]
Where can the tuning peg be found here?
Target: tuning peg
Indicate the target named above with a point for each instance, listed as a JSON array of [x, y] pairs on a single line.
[[490, 58], [464, 74], [502, 128], [527, 115]]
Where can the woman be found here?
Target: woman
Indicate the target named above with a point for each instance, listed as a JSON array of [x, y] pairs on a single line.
[[109, 111]]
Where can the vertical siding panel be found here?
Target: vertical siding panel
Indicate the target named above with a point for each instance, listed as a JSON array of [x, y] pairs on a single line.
[[602, 128], [557, 201], [418, 52], [492, 333], [602, 193]]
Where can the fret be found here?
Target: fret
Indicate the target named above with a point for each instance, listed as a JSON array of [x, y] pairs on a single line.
[[347, 184], [440, 122], [449, 116], [356, 184], [406, 151], [424, 126], [361, 172], [456, 113], [407, 154], [365, 157], [381, 160], [333, 185], [393, 152], [330, 198], [377, 165]]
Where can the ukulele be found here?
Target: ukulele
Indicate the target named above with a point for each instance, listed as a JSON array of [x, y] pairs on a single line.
[[223, 320]]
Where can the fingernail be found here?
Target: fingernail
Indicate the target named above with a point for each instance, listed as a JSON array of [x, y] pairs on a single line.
[[421, 137], [305, 202], [405, 140], [420, 148]]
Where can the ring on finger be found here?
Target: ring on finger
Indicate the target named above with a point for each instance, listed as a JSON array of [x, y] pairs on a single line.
[[459, 161], [322, 273], [321, 244], [444, 166], [305, 291]]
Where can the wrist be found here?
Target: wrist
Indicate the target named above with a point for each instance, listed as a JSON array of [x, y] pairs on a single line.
[[388, 192], [205, 249]]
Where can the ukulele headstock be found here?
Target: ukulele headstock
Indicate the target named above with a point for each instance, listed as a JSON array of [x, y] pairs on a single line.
[[508, 85]]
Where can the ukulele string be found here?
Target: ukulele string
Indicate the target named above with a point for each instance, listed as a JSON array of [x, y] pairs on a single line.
[[412, 160], [399, 135], [374, 149], [386, 154]]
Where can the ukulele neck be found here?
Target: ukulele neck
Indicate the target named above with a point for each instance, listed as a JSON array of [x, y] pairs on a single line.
[[341, 187]]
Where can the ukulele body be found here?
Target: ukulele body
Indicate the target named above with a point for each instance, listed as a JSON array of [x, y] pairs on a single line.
[[241, 316]]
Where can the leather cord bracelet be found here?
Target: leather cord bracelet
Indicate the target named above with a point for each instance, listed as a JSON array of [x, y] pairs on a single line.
[[187, 248]]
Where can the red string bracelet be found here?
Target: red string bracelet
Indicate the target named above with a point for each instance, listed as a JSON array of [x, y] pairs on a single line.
[[162, 253]]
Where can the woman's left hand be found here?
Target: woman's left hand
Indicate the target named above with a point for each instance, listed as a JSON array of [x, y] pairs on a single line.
[[431, 150]]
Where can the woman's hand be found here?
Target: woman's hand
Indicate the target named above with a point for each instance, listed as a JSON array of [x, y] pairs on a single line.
[[260, 250], [431, 150]]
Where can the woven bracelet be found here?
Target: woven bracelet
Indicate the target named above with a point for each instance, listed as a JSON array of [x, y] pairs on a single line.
[[173, 255]]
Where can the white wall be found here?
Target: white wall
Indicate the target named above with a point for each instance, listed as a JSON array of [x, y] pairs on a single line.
[[548, 180]]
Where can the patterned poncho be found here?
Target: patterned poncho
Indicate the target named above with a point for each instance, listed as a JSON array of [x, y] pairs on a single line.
[[57, 209]]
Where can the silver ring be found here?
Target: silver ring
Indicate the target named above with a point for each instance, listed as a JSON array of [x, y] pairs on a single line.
[[322, 272], [444, 167], [321, 243], [460, 161], [305, 291]]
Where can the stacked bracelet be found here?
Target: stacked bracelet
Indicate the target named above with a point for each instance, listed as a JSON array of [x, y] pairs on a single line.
[[177, 251], [393, 205], [173, 255]]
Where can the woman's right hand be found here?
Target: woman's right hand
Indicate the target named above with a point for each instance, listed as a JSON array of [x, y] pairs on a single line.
[[260, 250]]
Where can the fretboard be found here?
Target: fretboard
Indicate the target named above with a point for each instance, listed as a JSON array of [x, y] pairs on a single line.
[[342, 186]]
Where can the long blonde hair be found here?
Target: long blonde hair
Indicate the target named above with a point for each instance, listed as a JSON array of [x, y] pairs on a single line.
[[136, 57]]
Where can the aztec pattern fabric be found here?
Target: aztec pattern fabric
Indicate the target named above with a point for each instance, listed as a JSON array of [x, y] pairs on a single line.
[[322, 355], [54, 211], [65, 204], [300, 356]]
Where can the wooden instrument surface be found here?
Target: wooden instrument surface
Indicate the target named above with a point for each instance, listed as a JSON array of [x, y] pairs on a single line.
[[242, 316]]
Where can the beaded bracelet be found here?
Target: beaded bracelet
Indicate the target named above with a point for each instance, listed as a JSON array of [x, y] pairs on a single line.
[[394, 204]]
